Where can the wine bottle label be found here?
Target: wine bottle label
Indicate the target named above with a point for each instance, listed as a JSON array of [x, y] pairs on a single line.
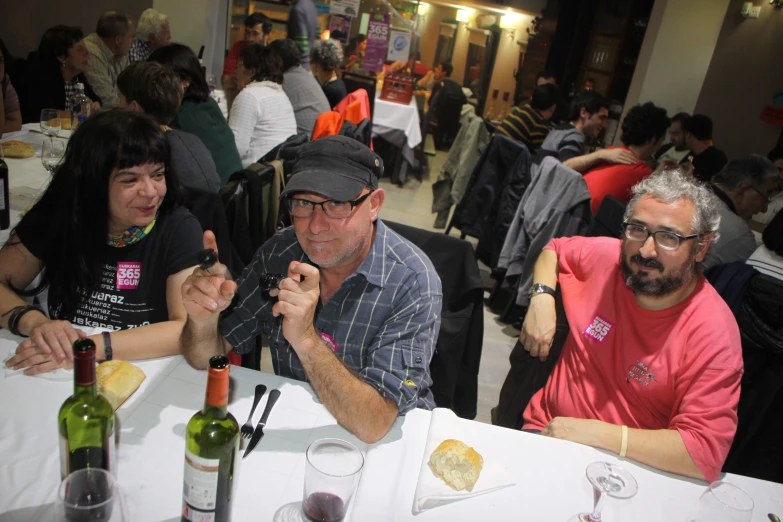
[[201, 483]]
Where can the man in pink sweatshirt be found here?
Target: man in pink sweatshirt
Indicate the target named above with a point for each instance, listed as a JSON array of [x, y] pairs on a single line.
[[652, 364]]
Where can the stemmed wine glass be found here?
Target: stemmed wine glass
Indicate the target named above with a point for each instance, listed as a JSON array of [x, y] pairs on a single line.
[[723, 502], [50, 123], [52, 153], [611, 480]]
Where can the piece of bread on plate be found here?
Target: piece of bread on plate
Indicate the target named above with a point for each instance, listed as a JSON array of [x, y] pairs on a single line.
[[17, 149], [117, 380], [457, 464]]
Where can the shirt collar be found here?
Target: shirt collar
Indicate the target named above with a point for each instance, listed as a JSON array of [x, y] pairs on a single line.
[[724, 197], [373, 268]]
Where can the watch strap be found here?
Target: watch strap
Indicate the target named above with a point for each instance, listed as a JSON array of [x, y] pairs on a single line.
[[538, 288], [107, 351]]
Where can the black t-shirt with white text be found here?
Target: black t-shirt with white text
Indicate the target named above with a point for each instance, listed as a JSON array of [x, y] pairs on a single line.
[[132, 291]]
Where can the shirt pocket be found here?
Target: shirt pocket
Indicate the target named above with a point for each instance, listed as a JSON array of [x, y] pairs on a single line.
[[414, 359]]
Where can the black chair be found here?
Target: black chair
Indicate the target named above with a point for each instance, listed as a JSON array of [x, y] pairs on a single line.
[[455, 365], [608, 221], [446, 123], [354, 82]]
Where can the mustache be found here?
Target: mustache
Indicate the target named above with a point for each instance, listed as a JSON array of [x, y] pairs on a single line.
[[649, 263]]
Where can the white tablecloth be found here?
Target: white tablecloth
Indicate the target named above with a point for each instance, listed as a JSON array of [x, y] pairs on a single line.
[[397, 116], [549, 473], [28, 173]]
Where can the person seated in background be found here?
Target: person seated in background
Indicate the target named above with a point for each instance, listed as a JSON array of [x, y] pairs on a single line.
[[745, 186], [676, 151], [443, 82], [51, 80], [262, 116], [108, 49], [354, 53], [528, 124], [652, 364], [589, 112], [108, 234], [545, 77], [152, 88], [760, 220], [306, 96], [433, 76], [10, 112], [768, 258], [643, 131], [152, 33], [199, 114], [367, 350], [257, 29], [707, 161], [325, 59]]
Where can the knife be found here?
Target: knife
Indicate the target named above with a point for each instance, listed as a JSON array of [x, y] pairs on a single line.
[[258, 434]]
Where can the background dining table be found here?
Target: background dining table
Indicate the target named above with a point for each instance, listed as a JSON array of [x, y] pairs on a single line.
[[549, 473]]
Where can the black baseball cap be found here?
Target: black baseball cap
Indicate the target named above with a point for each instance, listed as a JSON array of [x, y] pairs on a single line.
[[336, 167]]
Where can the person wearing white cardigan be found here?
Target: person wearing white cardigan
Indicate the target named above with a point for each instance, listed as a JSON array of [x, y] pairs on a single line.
[[262, 116]]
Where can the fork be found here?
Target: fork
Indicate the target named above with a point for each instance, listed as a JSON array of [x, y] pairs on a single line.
[[247, 427]]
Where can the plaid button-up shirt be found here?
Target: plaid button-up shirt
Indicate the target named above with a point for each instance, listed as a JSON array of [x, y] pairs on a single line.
[[139, 51], [384, 318]]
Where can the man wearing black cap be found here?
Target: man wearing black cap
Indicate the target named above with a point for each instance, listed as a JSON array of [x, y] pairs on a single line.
[[359, 311]]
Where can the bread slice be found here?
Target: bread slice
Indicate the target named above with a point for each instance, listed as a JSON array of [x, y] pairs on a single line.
[[17, 149], [117, 380], [65, 123], [457, 464]]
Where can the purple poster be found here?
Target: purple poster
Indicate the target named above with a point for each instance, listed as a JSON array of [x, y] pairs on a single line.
[[377, 39], [340, 23]]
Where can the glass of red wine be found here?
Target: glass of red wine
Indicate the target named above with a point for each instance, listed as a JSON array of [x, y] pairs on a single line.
[[331, 476], [89, 495]]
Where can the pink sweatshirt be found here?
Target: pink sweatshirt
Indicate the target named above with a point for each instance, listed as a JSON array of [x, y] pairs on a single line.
[[678, 368]]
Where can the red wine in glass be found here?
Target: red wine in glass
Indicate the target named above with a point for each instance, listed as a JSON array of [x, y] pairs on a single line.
[[324, 507]]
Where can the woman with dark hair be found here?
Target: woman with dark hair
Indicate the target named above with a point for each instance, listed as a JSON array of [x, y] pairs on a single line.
[[355, 53], [51, 80], [10, 114], [112, 246], [199, 114], [262, 116]]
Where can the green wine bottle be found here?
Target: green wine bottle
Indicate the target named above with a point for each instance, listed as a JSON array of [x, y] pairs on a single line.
[[211, 447], [86, 419]]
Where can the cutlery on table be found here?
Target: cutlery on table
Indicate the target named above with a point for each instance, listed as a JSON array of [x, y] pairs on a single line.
[[247, 427], [41, 132], [259, 432]]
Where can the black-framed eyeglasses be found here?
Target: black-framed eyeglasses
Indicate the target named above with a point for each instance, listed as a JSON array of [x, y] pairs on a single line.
[[663, 238], [304, 208], [767, 198]]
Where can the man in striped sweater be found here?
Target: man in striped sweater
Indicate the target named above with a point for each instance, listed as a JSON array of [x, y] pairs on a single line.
[[528, 123]]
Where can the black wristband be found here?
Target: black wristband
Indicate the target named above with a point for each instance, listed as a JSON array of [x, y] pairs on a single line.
[[16, 316], [538, 288], [107, 355]]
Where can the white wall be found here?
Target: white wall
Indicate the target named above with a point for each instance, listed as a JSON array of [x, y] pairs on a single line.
[[676, 53], [188, 20]]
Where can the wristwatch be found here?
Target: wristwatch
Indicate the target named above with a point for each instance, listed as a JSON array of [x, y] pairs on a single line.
[[538, 288]]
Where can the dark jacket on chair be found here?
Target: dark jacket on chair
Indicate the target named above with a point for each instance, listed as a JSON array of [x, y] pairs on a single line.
[[485, 188], [455, 365], [500, 217], [757, 450]]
